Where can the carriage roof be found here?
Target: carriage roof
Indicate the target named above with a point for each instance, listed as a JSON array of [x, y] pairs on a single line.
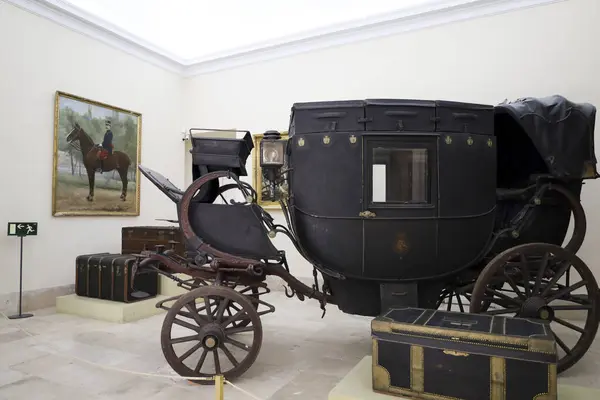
[[561, 131]]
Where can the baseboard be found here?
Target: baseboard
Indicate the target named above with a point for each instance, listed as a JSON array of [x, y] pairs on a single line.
[[34, 299]]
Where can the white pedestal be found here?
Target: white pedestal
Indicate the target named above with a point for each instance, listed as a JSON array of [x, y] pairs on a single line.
[[113, 311], [357, 385], [105, 310]]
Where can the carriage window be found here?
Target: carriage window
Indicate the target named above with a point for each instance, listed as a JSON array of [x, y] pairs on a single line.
[[400, 175]]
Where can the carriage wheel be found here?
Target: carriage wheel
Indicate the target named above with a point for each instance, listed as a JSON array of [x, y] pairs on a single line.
[[195, 335], [529, 276]]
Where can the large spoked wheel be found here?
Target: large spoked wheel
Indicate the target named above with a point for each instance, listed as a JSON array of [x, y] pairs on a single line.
[[543, 281], [200, 339]]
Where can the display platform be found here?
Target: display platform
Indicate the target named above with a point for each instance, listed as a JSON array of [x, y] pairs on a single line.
[[106, 310], [356, 385], [113, 311]]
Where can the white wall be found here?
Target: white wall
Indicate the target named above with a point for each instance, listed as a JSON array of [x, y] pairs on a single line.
[[533, 52], [38, 57]]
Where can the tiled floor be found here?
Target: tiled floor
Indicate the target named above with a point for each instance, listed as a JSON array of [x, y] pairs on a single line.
[[302, 357]]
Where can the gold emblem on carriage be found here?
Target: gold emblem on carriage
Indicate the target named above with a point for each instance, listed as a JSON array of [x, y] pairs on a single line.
[[352, 139], [470, 141], [401, 245], [326, 139], [490, 143], [301, 142], [448, 139]]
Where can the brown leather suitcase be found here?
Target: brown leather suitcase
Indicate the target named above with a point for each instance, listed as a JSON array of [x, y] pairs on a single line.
[[135, 239]]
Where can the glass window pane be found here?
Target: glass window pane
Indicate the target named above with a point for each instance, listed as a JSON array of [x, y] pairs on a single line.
[[400, 175]]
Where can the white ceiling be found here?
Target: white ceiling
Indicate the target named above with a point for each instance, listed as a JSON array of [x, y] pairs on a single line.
[[196, 30]]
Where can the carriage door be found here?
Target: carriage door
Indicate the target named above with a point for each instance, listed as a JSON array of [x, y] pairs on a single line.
[[400, 202]]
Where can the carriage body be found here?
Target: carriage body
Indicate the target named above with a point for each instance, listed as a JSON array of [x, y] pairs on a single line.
[[396, 203], [392, 190]]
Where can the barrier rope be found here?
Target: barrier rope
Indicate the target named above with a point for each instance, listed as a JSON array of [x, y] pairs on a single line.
[[110, 368]]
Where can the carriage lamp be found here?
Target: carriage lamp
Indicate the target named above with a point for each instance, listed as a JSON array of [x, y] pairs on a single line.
[[272, 150], [272, 158]]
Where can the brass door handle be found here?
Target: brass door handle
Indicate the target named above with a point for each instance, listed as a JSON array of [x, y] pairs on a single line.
[[366, 214]]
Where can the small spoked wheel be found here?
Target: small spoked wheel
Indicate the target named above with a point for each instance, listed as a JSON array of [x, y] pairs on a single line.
[[200, 339], [546, 282]]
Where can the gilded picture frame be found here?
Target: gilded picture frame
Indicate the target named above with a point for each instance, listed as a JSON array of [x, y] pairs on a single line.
[[97, 149], [257, 173]]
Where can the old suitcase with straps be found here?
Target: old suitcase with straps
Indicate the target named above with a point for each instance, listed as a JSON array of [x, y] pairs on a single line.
[[135, 239], [108, 276], [430, 354]]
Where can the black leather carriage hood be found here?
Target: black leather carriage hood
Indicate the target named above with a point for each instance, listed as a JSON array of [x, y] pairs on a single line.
[[561, 130]]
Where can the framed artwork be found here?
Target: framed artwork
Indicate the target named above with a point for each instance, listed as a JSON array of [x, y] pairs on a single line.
[[96, 154], [259, 177]]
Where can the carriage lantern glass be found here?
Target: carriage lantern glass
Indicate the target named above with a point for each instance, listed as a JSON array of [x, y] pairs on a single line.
[[272, 150]]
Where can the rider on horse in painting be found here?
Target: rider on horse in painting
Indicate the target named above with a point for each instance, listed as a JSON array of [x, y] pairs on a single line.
[[107, 146]]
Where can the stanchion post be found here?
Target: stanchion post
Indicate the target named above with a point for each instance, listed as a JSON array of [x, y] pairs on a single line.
[[219, 387]]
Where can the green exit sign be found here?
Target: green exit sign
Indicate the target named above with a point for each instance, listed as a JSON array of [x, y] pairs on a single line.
[[22, 228]]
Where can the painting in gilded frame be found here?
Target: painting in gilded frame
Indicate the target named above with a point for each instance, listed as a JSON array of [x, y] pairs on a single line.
[[96, 154], [259, 177]]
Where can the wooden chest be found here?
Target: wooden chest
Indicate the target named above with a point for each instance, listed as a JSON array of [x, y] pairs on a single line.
[[135, 239], [429, 354], [108, 276]]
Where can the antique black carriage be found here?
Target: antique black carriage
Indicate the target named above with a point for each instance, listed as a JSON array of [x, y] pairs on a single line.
[[395, 203]]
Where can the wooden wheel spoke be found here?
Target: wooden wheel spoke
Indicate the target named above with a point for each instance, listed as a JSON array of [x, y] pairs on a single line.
[[230, 356], [512, 310], [217, 361], [450, 301], [221, 309], [566, 265], [194, 314], [238, 315], [233, 331], [540, 274], [237, 344], [191, 351], [515, 288], [502, 296], [526, 276], [562, 344], [208, 310], [460, 303], [569, 325], [184, 339], [564, 291], [201, 361], [186, 325]]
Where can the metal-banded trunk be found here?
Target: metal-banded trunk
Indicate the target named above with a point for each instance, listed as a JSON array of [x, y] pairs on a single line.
[[135, 239], [108, 276], [433, 354]]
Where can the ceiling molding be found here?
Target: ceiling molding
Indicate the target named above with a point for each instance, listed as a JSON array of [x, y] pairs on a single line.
[[432, 14]]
